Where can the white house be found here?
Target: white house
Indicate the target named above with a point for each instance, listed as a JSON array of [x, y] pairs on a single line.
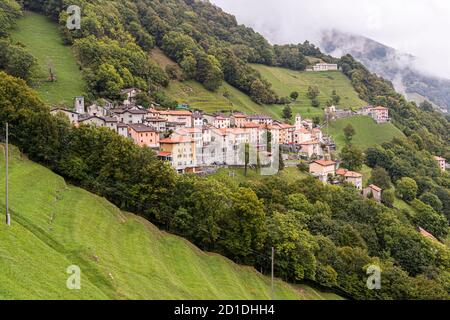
[[325, 67]]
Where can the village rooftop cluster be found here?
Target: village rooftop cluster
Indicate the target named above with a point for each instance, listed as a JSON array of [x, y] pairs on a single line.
[[194, 142]]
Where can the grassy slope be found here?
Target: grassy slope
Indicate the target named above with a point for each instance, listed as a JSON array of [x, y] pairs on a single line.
[[368, 133], [196, 96], [285, 81], [42, 38], [121, 256]]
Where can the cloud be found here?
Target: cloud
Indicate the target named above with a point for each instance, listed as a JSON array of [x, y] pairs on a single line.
[[418, 27]]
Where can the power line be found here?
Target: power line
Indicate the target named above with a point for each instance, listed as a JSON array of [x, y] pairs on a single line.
[[8, 217]]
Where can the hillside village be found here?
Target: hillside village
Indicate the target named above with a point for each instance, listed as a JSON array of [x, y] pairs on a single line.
[[198, 142]]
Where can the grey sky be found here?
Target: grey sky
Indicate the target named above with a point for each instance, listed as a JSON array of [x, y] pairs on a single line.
[[419, 27]]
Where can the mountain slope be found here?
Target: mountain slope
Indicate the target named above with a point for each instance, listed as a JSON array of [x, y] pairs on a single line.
[[42, 38], [391, 64], [121, 256]]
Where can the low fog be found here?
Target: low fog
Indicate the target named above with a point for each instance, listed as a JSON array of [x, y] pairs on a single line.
[[418, 27]]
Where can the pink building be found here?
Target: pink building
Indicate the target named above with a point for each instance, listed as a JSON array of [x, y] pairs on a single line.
[[143, 135]]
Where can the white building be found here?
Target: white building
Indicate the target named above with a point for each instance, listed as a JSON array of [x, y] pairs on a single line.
[[325, 67]]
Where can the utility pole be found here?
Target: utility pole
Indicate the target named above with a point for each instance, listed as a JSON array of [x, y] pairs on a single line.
[[8, 217], [273, 259]]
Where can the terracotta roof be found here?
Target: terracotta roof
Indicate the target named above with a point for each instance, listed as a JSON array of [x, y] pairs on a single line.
[[177, 139], [154, 119], [310, 142], [325, 163], [164, 154], [380, 108], [286, 126], [374, 187], [139, 127], [176, 113], [348, 174], [239, 115], [250, 125]]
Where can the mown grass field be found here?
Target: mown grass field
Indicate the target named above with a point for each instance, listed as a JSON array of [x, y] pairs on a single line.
[[368, 133], [121, 256], [42, 38], [284, 81]]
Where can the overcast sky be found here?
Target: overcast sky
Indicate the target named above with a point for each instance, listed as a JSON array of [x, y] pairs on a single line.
[[419, 27]]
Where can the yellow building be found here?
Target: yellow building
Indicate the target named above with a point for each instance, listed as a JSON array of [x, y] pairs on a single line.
[[322, 169], [180, 151]]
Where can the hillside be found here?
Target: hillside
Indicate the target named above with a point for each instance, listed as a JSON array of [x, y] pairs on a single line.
[[121, 256], [368, 133], [42, 38], [226, 98], [285, 81]]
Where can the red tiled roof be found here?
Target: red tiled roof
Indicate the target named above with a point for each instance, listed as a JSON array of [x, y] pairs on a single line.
[[177, 139], [325, 163], [380, 108], [176, 113], [250, 125], [308, 143], [374, 187], [348, 174], [164, 154]]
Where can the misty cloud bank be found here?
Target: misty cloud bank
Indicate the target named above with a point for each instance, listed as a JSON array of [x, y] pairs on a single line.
[[418, 27]]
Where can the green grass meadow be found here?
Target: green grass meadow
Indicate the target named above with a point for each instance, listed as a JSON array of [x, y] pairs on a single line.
[[42, 38], [368, 132]]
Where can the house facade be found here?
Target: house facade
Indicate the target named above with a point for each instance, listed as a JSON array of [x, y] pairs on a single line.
[[352, 177], [373, 190], [144, 135], [441, 163], [322, 169], [71, 115], [180, 151]]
